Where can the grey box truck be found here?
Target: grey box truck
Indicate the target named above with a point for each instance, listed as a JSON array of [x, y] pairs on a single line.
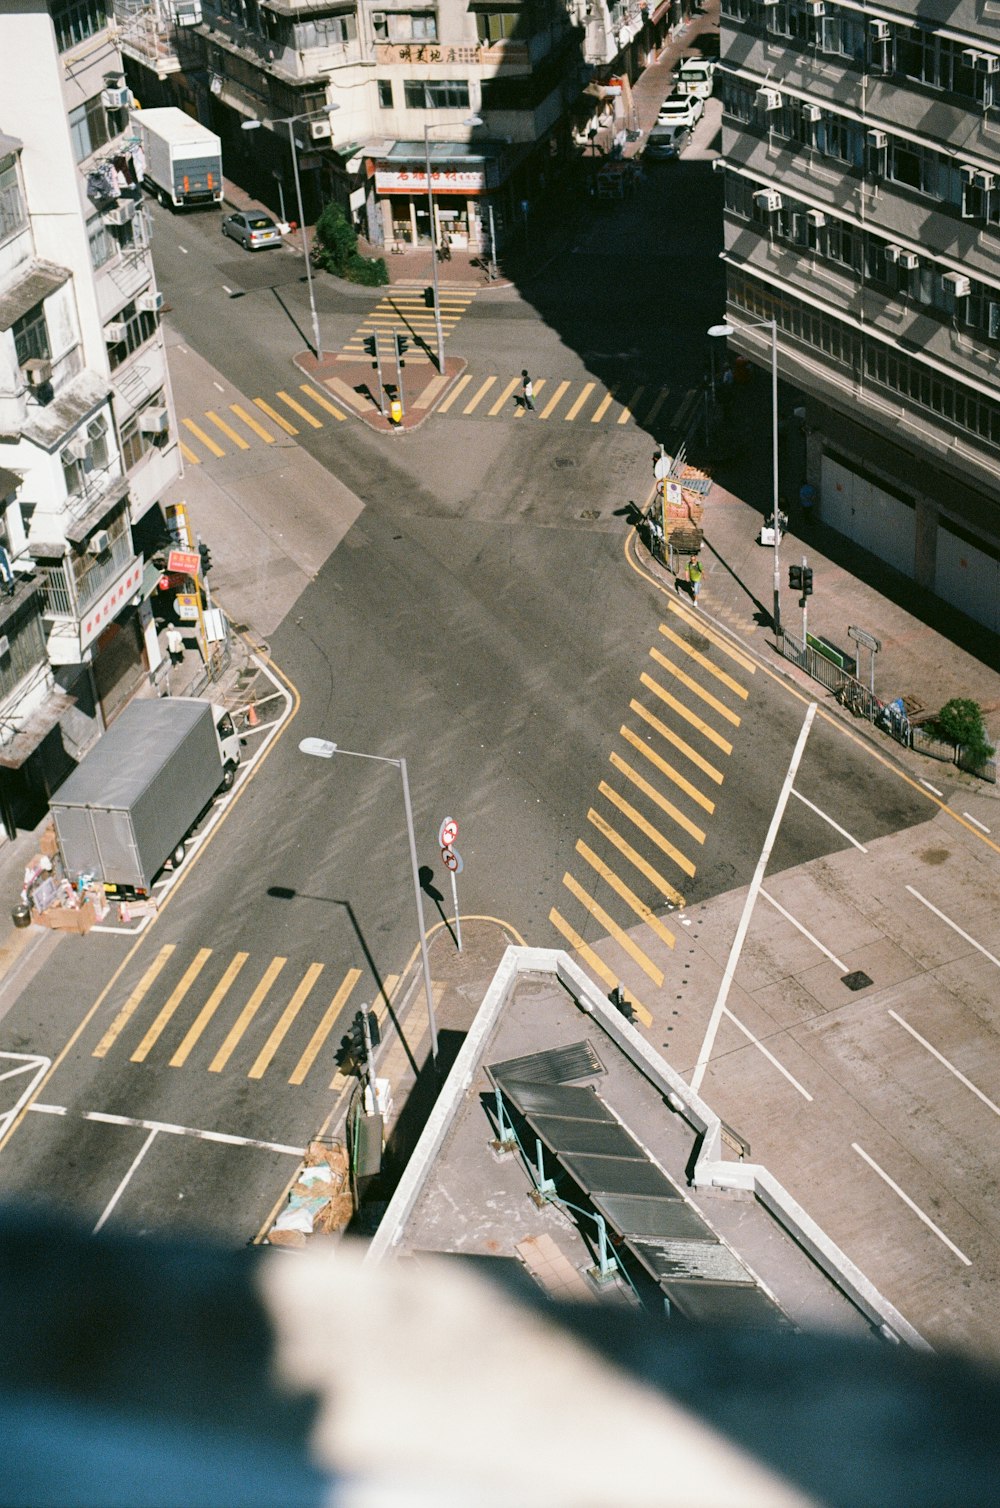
[[131, 802], [183, 158]]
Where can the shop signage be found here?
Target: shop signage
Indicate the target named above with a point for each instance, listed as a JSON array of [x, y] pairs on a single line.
[[106, 608], [184, 562], [186, 607], [443, 181]]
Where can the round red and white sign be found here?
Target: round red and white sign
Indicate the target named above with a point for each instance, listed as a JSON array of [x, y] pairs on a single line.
[[448, 833]]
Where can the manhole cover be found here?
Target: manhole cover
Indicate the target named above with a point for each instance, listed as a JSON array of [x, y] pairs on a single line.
[[857, 981], [591, 513]]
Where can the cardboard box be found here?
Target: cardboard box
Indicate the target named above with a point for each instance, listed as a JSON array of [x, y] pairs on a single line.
[[66, 919], [48, 845]]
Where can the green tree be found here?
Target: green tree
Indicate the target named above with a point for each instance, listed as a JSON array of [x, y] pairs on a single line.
[[335, 249], [960, 721]]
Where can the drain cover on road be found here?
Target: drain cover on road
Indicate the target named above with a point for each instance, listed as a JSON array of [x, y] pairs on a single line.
[[591, 513], [857, 981]]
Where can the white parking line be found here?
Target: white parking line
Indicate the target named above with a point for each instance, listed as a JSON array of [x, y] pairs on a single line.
[[970, 818], [914, 1207], [950, 1066], [119, 1191], [748, 905], [24, 1063], [768, 1055], [169, 1129], [932, 788], [814, 940], [954, 926], [827, 818]]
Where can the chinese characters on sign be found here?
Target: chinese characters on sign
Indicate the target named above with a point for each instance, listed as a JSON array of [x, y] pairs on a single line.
[[425, 52], [443, 181]]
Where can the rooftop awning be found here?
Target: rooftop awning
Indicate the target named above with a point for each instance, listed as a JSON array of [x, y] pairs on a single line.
[[49, 425], [41, 279], [35, 727], [78, 530]]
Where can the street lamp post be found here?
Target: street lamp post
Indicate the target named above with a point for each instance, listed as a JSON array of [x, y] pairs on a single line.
[[322, 748], [771, 324], [291, 121], [473, 120]]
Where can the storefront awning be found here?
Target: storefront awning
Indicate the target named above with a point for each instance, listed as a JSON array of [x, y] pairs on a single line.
[[34, 729]]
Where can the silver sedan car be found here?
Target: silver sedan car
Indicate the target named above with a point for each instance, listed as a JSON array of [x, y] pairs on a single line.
[[253, 231]]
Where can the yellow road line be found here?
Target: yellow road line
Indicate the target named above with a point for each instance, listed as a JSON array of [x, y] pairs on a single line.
[[625, 848], [189, 455], [325, 1027], [678, 743], [133, 1002], [288, 1015], [667, 769], [505, 396], [246, 1015], [601, 408], [227, 430], [251, 423], [188, 978], [695, 619], [297, 408], [686, 714], [462, 382], [273, 414], [206, 440], [619, 886], [612, 928], [594, 963], [208, 1010], [705, 662], [652, 833], [693, 686], [554, 400], [661, 801], [523, 409], [311, 392], [664, 394], [587, 390], [629, 408], [470, 407]]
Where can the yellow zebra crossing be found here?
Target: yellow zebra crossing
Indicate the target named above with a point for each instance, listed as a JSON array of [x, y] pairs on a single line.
[[285, 415], [655, 808], [235, 1014], [407, 311]]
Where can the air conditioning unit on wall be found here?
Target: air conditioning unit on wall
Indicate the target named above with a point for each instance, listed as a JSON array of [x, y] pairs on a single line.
[[908, 260], [154, 420], [116, 332], [122, 213], [38, 371], [879, 31], [321, 130], [118, 98], [816, 218], [149, 303], [956, 283], [769, 99], [98, 542], [768, 200]]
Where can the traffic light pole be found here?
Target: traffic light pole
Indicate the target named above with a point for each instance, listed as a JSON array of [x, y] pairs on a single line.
[[372, 347], [400, 345], [366, 1033], [805, 605]]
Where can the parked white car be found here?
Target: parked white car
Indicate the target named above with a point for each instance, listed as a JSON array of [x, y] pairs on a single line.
[[681, 110], [695, 76]]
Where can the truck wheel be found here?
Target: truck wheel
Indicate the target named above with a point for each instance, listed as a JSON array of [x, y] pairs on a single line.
[[177, 858], [229, 778]]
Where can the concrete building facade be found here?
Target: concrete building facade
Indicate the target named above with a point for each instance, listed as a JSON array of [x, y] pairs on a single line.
[[861, 150]]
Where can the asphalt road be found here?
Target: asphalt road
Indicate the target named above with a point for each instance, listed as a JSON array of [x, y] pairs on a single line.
[[615, 764]]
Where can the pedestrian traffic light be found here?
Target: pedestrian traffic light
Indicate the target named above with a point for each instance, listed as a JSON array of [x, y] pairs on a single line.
[[795, 577], [371, 345], [402, 344], [807, 581], [374, 1029], [429, 298], [206, 558]]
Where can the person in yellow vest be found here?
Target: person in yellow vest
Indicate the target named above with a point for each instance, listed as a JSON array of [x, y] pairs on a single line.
[[695, 572]]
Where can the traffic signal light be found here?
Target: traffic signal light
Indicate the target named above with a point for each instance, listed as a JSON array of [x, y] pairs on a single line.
[[402, 344], [206, 558], [371, 345], [429, 297], [795, 577], [807, 581], [374, 1030]]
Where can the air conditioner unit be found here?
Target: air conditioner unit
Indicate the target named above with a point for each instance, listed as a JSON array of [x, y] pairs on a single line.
[[4, 645], [77, 447], [880, 31], [769, 200], [815, 218], [38, 371], [121, 213], [116, 332], [769, 99], [187, 12], [812, 113], [877, 140], [116, 99], [908, 260], [154, 420], [321, 130], [150, 302], [378, 17], [98, 542], [985, 181], [815, 8], [956, 283], [982, 62], [893, 253]]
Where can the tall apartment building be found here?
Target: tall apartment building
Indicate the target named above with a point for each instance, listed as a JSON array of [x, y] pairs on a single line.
[[861, 144], [530, 70], [87, 441]]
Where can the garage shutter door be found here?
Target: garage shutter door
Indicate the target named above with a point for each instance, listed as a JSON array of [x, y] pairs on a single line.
[[877, 520]]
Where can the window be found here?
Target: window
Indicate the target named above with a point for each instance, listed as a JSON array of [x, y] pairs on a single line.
[[26, 651], [329, 31], [405, 26], [102, 246], [496, 26], [13, 216], [436, 94], [133, 443], [31, 336], [139, 327], [385, 94], [76, 20], [89, 127]]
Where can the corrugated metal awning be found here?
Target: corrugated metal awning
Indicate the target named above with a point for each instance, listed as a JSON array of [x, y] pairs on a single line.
[[41, 279]]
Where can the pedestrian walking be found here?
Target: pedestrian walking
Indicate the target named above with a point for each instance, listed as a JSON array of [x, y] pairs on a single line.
[[695, 572], [175, 644], [528, 389]]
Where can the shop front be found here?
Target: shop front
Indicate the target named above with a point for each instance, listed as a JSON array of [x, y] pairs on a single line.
[[461, 183]]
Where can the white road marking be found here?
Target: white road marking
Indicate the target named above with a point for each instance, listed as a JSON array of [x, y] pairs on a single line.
[[48, 1109], [982, 827], [954, 926], [32, 1064], [748, 905], [914, 1207], [835, 825], [182, 249], [171, 1130], [768, 1055], [950, 1066], [814, 940], [119, 1191], [932, 788]]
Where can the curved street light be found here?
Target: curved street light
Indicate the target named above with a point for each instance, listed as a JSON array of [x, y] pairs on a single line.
[[472, 120]]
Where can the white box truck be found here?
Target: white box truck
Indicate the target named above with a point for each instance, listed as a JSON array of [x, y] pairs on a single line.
[[131, 802], [183, 158]]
